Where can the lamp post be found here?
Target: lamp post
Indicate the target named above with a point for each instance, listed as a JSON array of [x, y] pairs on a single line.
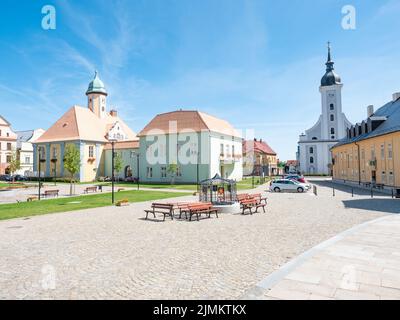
[[40, 170], [137, 169], [55, 170], [112, 170]]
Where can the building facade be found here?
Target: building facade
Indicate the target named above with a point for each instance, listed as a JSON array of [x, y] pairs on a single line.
[[194, 144], [8, 144], [90, 129], [314, 154], [25, 150], [370, 152], [259, 159]]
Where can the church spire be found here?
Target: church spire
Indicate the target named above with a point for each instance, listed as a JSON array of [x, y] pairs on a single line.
[[329, 63]]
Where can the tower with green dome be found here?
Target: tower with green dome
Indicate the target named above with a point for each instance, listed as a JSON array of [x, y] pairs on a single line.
[[97, 96]]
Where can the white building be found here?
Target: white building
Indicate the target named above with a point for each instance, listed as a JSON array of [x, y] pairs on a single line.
[[314, 153], [25, 150], [198, 144]]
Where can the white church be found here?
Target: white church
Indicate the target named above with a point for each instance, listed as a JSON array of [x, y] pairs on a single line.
[[314, 153]]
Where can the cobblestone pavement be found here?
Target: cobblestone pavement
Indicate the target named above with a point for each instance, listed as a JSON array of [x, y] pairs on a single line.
[[113, 253], [364, 264]]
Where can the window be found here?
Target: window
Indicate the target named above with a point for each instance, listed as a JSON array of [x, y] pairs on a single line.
[[314, 138], [227, 150], [391, 178], [91, 152], [8, 134], [332, 107], [332, 130], [382, 152], [390, 151], [362, 154], [221, 150], [149, 172], [133, 154], [372, 153], [178, 171], [383, 177], [311, 150], [54, 152], [311, 159], [8, 146], [332, 117], [0, 132], [233, 150], [163, 172], [8, 159], [27, 160]]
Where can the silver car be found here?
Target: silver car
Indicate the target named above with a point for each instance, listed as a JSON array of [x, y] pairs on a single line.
[[287, 185]]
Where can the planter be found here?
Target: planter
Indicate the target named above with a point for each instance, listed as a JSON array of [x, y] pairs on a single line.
[[122, 203]]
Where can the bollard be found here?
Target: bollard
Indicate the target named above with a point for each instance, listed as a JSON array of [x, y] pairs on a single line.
[[333, 189], [372, 193], [352, 192], [392, 194]]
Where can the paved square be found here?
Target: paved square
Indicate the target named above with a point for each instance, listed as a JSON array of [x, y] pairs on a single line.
[[112, 253]]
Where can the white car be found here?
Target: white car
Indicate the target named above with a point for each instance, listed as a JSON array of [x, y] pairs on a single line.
[[288, 185]]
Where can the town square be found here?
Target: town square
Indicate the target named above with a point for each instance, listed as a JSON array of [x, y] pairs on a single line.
[[199, 151]]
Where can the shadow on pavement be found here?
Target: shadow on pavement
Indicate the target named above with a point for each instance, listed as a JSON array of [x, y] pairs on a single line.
[[381, 205]]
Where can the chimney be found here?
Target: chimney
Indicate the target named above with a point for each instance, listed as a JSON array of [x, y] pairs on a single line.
[[370, 110], [396, 96], [113, 113]]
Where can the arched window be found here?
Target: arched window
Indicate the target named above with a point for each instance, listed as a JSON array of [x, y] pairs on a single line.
[[332, 130], [332, 106], [311, 150], [314, 138], [332, 117], [311, 159]]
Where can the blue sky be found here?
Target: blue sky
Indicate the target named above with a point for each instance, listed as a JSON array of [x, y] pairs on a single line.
[[255, 63]]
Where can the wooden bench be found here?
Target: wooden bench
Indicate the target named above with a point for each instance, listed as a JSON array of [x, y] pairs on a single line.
[[241, 197], [163, 208], [259, 197], [120, 189], [90, 189], [33, 198], [200, 208], [53, 193], [249, 204]]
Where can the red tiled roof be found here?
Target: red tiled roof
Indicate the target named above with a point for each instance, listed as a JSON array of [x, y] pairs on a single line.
[[257, 146], [292, 163]]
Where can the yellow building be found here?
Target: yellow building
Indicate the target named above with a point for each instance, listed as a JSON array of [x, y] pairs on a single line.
[[89, 129], [370, 154]]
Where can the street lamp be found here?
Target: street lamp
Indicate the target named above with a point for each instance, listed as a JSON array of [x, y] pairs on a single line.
[[137, 165], [112, 140], [40, 168], [55, 170]]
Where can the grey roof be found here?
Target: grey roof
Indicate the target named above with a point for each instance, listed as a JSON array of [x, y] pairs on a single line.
[[330, 78], [391, 111], [24, 136]]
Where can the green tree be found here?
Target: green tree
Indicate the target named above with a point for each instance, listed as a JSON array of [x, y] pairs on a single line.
[[72, 162], [118, 164], [172, 170], [14, 163]]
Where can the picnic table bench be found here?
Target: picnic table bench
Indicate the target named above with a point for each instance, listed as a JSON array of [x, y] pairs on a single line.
[[90, 189], [163, 208], [53, 193], [259, 197], [200, 208], [249, 204]]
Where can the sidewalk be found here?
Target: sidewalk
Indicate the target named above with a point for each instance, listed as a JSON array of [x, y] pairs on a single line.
[[361, 263]]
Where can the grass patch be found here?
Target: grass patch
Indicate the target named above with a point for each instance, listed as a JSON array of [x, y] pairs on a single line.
[[26, 209]]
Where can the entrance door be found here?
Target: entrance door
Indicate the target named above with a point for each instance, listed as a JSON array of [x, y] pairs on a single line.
[[373, 177]]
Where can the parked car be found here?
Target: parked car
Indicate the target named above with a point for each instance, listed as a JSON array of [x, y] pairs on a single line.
[[297, 177], [288, 185], [5, 177], [18, 177]]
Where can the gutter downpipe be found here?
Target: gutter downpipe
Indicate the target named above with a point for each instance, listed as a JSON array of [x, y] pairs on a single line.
[[359, 163]]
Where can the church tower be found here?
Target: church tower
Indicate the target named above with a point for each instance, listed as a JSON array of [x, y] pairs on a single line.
[[314, 153], [331, 95], [97, 97]]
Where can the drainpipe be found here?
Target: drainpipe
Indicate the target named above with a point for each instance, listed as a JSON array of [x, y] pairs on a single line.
[[359, 163]]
